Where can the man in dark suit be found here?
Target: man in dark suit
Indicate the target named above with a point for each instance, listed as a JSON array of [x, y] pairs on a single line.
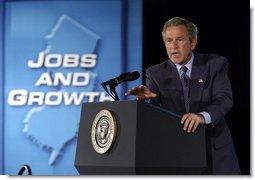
[[197, 87]]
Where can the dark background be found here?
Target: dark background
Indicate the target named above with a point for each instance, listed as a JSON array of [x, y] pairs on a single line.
[[224, 29]]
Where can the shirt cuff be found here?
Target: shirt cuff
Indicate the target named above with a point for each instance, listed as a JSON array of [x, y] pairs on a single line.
[[206, 116], [147, 100]]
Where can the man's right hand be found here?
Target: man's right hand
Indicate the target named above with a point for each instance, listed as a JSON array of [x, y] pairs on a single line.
[[141, 92]]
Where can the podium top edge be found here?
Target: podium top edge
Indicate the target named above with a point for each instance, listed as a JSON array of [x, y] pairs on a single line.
[[138, 102]]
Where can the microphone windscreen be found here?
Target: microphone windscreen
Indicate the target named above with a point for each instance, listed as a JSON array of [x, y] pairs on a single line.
[[134, 75]]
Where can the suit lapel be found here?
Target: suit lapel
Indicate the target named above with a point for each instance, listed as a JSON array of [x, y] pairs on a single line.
[[173, 84], [174, 78], [198, 78]]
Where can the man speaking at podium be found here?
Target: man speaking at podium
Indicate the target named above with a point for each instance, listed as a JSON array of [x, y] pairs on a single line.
[[197, 87]]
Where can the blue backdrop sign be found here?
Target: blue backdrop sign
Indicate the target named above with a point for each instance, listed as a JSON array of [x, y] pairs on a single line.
[[56, 54]]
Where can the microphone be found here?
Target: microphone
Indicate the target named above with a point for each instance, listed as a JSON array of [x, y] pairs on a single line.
[[129, 76], [112, 83]]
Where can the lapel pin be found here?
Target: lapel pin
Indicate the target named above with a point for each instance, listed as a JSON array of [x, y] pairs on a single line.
[[200, 80]]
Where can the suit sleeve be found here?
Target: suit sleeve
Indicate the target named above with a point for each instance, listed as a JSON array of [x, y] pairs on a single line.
[[152, 85], [221, 98]]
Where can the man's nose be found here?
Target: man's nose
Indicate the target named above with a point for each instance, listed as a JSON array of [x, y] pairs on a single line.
[[174, 44]]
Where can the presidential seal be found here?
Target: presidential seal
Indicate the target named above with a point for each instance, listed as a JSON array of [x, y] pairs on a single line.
[[103, 131]]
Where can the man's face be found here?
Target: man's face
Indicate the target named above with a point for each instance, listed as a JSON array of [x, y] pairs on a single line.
[[178, 45]]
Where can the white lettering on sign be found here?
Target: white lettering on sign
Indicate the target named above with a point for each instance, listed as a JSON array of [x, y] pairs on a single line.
[[20, 97], [66, 61]]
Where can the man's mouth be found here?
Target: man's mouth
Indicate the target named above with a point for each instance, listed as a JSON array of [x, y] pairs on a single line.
[[175, 53]]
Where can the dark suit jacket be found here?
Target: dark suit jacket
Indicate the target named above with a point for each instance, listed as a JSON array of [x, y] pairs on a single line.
[[210, 91]]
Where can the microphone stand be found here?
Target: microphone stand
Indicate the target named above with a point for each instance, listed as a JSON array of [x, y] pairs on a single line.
[[112, 87], [25, 168], [113, 91]]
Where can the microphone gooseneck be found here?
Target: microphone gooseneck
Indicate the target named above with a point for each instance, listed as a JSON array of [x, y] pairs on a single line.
[[25, 168]]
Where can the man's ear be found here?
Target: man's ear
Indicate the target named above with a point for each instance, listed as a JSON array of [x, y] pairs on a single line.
[[193, 43]]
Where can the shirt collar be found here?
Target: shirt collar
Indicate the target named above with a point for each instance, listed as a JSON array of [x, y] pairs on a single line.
[[188, 65]]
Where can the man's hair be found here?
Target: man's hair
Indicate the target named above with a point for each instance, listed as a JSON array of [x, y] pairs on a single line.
[[176, 21]]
